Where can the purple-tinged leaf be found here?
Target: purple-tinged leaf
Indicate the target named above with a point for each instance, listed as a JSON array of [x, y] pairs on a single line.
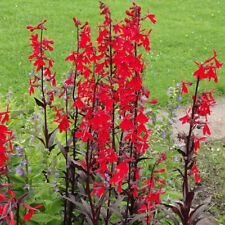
[[40, 140], [23, 197], [196, 213], [39, 103]]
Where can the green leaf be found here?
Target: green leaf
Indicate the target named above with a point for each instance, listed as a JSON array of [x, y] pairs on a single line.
[[42, 218]]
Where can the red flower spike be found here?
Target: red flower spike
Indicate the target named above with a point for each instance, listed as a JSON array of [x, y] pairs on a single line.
[[39, 26], [76, 22]]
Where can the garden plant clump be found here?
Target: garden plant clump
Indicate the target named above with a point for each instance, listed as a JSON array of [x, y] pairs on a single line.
[[93, 156]]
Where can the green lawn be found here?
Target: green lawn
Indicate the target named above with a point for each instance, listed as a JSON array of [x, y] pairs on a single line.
[[186, 30]]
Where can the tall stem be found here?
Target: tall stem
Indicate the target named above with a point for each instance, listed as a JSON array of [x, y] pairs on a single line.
[[189, 146], [17, 213], [113, 118], [88, 189], [43, 96], [67, 218], [150, 187], [130, 197], [75, 117]]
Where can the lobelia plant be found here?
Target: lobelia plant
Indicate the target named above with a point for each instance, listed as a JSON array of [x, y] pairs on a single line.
[[44, 79], [103, 119], [103, 133], [197, 117]]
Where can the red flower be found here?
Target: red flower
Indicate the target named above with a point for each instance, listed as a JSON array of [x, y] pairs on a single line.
[[99, 190], [184, 88], [122, 172], [218, 64], [150, 16], [154, 101], [185, 119], [126, 124], [206, 130], [39, 26], [39, 63], [29, 215], [141, 118], [64, 123], [197, 143], [200, 73], [195, 171], [161, 158], [76, 22]]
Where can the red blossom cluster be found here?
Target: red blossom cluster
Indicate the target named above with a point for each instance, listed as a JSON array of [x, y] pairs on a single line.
[[104, 110], [41, 61], [104, 124], [5, 137], [104, 116], [8, 202], [7, 198], [197, 116], [107, 100], [43, 78]]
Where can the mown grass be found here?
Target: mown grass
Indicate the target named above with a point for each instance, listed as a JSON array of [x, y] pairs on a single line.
[[186, 30]]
